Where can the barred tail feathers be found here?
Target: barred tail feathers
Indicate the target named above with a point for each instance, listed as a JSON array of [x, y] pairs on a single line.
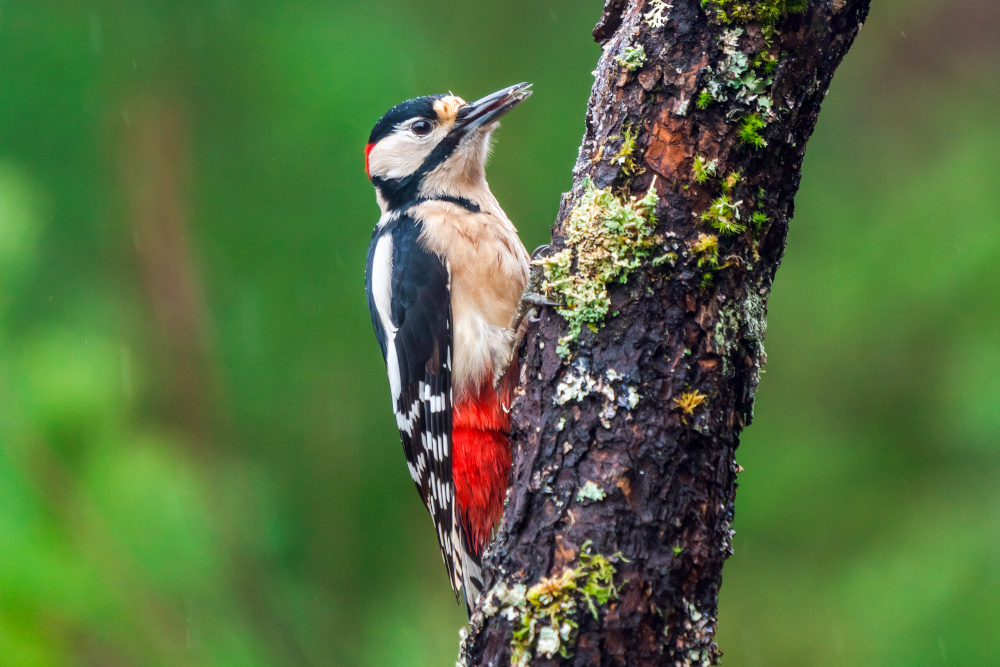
[[464, 567], [472, 579]]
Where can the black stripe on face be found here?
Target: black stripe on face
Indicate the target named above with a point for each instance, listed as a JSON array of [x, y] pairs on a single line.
[[419, 107], [402, 192]]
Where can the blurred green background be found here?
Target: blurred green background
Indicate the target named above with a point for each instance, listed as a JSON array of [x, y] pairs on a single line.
[[198, 465]]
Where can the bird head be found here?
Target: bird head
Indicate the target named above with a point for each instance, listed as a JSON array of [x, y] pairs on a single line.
[[435, 146]]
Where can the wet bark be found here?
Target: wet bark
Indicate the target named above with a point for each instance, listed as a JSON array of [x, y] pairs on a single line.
[[655, 480]]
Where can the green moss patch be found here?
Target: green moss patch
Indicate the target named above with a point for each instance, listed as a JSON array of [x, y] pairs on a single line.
[[607, 238], [704, 168], [750, 127], [765, 12], [633, 58], [545, 616], [723, 215], [625, 158]]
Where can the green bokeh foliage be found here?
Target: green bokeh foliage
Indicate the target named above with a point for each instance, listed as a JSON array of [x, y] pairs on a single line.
[[280, 526]]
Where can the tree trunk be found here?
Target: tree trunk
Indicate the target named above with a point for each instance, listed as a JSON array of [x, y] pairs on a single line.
[[630, 409]]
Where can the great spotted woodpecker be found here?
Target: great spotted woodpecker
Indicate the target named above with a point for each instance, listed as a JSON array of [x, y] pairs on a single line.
[[445, 276]]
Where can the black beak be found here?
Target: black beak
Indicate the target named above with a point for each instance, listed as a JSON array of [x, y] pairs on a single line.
[[490, 108]]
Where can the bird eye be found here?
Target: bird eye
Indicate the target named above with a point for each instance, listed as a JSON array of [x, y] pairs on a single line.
[[421, 127]]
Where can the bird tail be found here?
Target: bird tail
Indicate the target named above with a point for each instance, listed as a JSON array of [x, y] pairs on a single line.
[[472, 579]]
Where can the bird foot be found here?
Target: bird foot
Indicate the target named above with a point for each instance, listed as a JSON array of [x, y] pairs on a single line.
[[536, 299], [533, 293], [540, 251], [533, 297], [531, 301]]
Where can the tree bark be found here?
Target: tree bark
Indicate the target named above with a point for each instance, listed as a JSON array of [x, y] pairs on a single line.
[[619, 517]]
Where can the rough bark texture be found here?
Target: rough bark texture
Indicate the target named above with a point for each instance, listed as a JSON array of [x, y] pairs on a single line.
[[662, 470]]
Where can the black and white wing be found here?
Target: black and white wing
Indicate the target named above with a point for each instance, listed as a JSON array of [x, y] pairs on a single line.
[[410, 302]]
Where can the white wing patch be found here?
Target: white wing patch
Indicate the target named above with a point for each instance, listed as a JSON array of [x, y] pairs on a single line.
[[381, 279]]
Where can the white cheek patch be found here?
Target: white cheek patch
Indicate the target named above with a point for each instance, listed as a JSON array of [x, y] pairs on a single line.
[[402, 152]]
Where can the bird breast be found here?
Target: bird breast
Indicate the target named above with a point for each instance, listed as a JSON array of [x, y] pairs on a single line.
[[488, 266]]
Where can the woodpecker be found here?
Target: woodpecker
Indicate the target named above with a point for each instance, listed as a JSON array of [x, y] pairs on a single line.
[[445, 276]]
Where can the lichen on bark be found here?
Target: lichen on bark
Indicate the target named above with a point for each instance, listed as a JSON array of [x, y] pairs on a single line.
[[682, 335], [606, 238]]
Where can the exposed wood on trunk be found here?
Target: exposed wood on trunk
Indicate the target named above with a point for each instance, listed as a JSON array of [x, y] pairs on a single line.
[[655, 480]]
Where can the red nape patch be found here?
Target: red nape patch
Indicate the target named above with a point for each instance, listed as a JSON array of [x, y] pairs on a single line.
[[368, 150]]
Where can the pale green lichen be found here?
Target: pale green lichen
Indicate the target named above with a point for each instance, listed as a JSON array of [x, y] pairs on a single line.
[[577, 383], [590, 491], [666, 258], [741, 320], [545, 620], [744, 78], [697, 649], [503, 596], [753, 317], [631, 397], [632, 58], [656, 17], [607, 238], [549, 641], [735, 78]]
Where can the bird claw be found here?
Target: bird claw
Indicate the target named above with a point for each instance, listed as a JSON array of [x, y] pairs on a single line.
[[536, 299], [533, 298], [533, 292], [540, 251], [536, 279]]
